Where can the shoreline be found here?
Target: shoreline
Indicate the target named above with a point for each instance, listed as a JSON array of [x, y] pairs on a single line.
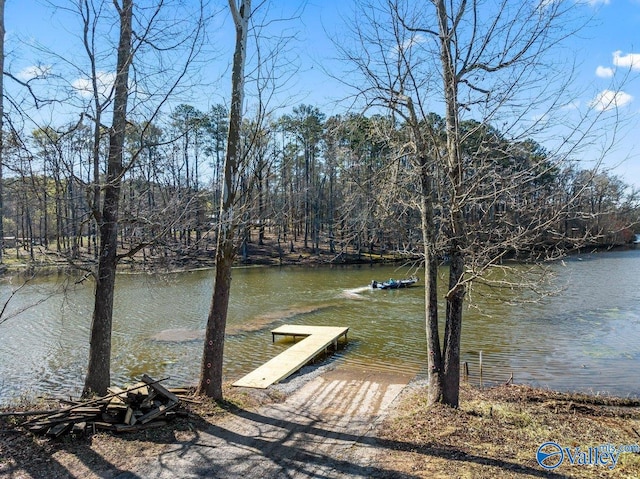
[[49, 262], [494, 433]]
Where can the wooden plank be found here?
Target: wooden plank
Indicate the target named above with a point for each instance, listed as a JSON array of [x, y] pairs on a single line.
[[318, 338], [106, 426], [87, 410], [160, 389], [79, 428], [129, 418], [51, 421], [120, 395], [116, 408], [59, 429], [39, 428], [154, 413], [302, 330], [59, 412]]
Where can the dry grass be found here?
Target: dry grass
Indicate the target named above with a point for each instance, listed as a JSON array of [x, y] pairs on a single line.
[[496, 433]]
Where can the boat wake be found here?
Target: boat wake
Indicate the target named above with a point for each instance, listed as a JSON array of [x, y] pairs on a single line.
[[354, 293]]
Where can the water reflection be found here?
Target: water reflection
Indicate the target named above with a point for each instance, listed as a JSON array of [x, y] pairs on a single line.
[[586, 338]]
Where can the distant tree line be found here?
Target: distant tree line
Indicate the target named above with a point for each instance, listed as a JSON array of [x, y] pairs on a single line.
[[339, 184]]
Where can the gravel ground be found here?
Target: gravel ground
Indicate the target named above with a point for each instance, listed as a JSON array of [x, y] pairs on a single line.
[[324, 429]]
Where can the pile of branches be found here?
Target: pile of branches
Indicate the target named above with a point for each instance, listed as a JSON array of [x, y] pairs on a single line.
[[144, 405]]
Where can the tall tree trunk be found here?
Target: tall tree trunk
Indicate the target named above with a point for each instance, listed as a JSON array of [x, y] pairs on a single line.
[[434, 352], [260, 185], [307, 195], [29, 226], [99, 370], [58, 206], [71, 199], [44, 232], [457, 247], [2, 32], [331, 219], [212, 358], [453, 329]]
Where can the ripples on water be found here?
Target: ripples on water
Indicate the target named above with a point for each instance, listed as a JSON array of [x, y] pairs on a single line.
[[585, 338]]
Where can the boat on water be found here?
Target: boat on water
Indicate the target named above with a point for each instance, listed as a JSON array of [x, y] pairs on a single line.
[[394, 283]]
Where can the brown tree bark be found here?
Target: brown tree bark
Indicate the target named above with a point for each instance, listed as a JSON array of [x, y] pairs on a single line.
[[457, 245], [212, 358], [99, 370], [2, 32], [434, 352]]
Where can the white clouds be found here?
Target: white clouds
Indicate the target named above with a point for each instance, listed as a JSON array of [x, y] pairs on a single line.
[[104, 84], [414, 40], [630, 60], [83, 86], [620, 60], [604, 72], [591, 3], [609, 100], [34, 71], [406, 45]]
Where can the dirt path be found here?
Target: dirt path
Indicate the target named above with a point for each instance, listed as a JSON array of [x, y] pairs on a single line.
[[323, 430]]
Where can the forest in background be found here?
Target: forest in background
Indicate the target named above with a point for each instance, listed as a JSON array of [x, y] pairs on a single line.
[[341, 185]]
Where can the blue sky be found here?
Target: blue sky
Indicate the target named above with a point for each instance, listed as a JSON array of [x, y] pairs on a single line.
[[608, 58], [607, 55]]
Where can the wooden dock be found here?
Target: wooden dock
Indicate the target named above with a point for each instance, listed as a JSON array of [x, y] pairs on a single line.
[[317, 339]]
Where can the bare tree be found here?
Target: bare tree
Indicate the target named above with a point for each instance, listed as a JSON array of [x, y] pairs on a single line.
[[212, 359], [98, 371], [153, 29], [260, 74], [489, 61], [2, 32]]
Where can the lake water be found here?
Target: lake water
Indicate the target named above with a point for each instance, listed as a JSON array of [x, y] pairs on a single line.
[[586, 338]]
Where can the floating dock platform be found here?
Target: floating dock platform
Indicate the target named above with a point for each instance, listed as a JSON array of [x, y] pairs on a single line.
[[316, 340]]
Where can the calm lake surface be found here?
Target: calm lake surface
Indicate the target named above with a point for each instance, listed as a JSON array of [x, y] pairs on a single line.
[[586, 338]]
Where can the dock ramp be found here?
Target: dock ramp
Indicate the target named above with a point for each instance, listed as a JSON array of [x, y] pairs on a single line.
[[316, 340]]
